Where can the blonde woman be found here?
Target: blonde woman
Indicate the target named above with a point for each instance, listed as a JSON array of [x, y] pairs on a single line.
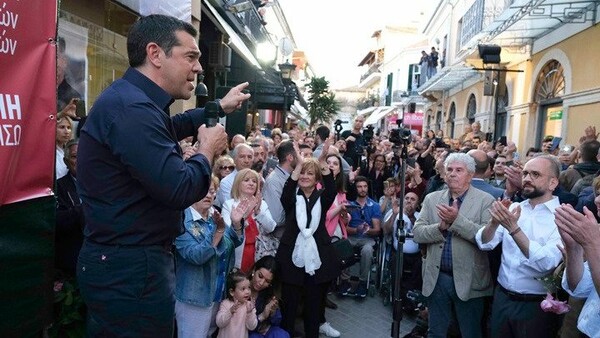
[[246, 208], [64, 133]]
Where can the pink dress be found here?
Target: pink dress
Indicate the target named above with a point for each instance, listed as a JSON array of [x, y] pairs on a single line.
[[332, 221]]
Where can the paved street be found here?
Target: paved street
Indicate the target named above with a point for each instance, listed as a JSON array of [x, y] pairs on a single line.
[[368, 317]]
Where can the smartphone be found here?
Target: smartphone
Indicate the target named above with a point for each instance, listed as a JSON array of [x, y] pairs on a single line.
[[555, 143], [509, 163], [80, 108], [352, 206]]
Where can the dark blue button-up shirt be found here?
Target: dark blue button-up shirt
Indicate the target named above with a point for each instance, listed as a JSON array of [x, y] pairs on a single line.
[[132, 179]]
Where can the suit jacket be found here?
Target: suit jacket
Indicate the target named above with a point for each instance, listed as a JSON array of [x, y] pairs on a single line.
[[490, 189], [470, 266]]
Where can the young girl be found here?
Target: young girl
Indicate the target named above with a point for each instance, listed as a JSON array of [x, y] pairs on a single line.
[[237, 314]]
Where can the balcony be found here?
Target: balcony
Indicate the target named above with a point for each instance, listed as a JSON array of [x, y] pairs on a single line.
[[371, 76], [479, 16], [245, 18]]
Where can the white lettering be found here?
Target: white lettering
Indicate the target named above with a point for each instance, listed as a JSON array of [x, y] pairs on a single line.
[[7, 45], [13, 106], [10, 135], [8, 18], [10, 104]]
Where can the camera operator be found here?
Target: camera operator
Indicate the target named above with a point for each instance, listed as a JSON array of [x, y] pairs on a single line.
[[355, 141]]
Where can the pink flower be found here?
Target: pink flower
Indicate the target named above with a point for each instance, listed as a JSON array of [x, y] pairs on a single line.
[[58, 286], [552, 305]]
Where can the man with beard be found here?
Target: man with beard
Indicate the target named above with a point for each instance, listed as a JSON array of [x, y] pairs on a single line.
[[260, 156], [529, 239], [364, 227]]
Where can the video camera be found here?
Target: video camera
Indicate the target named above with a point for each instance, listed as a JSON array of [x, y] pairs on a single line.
[[368, 134], [337, 126], [400, 135]]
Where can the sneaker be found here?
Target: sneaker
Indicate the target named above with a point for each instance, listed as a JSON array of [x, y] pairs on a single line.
[[361, 290], [344, 288], [329, 331]]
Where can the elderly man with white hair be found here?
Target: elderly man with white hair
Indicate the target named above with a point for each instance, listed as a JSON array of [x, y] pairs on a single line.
[[456, 274]]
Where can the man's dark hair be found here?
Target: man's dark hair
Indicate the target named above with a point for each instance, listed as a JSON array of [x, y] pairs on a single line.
[[304, 146], [360, 179], [322, 132], [477, 137], [589, 151], [284, 149], [156, 28]]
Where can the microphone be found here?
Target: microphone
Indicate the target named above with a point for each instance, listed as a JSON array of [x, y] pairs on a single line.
[[211, 112]]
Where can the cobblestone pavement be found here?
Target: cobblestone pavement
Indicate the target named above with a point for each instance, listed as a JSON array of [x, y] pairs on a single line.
[[364, 318]]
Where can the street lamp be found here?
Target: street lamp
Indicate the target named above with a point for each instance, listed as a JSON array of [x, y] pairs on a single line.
[[286, 70]]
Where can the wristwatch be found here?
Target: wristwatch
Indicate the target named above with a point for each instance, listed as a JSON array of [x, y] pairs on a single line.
[[221, 111]]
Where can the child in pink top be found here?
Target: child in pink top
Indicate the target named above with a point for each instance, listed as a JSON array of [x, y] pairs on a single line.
[[237, 313]]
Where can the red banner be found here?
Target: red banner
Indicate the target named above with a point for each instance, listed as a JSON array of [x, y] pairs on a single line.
[[27, 99]]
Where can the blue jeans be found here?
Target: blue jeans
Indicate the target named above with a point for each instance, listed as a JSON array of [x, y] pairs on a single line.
[[441, 302], [128, 290]]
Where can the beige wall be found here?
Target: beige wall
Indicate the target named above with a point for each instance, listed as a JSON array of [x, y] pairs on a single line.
[[579, 118]]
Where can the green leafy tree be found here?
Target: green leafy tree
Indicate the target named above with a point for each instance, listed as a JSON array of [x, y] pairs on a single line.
[[323, 106]]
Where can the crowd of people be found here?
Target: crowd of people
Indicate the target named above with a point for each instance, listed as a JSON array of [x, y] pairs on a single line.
[[163, 219]]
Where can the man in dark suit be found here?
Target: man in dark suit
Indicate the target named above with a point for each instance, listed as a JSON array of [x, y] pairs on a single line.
[[456, 273], [69, 216], [482, 174]]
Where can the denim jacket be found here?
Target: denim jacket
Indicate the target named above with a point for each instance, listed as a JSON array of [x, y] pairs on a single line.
[[198, 262]]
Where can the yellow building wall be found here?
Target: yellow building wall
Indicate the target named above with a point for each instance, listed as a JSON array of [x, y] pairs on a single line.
[[579, 118], [583, 51]]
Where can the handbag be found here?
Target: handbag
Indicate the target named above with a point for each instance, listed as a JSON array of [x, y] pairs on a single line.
[[343, 248], [265, 245]]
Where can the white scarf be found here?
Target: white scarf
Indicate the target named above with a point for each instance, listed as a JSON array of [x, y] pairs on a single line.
[[306, 253]]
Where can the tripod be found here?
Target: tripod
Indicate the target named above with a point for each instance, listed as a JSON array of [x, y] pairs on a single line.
[[401, 234]]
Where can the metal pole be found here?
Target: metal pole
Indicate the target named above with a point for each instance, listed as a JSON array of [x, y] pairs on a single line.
[[401, 236]]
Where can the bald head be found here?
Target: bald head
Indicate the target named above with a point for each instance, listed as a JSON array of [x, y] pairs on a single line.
[[482, 163]]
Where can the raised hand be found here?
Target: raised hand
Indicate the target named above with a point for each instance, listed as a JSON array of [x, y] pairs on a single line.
[[353, 173], [581, 228], [218, 221], [234, 98], [239, 212], [249, 307], [508, 219], [448, 213]]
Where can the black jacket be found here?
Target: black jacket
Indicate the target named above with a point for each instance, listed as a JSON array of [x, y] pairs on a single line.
[[330, 262]]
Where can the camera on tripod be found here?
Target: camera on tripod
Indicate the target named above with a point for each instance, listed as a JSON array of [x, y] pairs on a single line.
[[337, 126], [400, 135]]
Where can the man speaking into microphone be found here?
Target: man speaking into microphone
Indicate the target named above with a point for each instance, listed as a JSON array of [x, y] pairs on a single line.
[[134, 183]]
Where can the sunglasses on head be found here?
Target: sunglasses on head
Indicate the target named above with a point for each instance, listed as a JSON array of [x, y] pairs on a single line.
[[229, 167]]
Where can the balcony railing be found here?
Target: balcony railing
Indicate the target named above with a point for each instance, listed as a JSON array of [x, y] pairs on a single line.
[[249, 20], [479, 16], [373, 69]]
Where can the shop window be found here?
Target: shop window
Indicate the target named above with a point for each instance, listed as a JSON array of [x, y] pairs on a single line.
[[95, 47]]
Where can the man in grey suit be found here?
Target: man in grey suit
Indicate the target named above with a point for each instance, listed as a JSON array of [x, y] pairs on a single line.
[[456, 273]]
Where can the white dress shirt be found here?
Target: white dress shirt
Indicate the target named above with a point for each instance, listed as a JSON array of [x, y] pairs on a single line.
[[410, 246], [589, 318], [517, 272]]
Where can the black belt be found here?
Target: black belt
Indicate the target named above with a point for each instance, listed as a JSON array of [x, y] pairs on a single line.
[[521, 297]]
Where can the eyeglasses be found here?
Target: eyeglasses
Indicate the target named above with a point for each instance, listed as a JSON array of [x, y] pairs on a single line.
[[533, 174], [228, 167]]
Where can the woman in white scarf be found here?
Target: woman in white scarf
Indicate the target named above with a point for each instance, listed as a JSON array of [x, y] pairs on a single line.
[[308, 260]]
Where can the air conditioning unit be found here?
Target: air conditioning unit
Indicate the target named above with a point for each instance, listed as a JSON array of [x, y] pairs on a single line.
[[219, 55]]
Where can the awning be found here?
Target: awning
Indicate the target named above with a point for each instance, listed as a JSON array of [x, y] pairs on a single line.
[[526, 20], [366, 111], [378, 114], [448, 78], [235, 41]]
